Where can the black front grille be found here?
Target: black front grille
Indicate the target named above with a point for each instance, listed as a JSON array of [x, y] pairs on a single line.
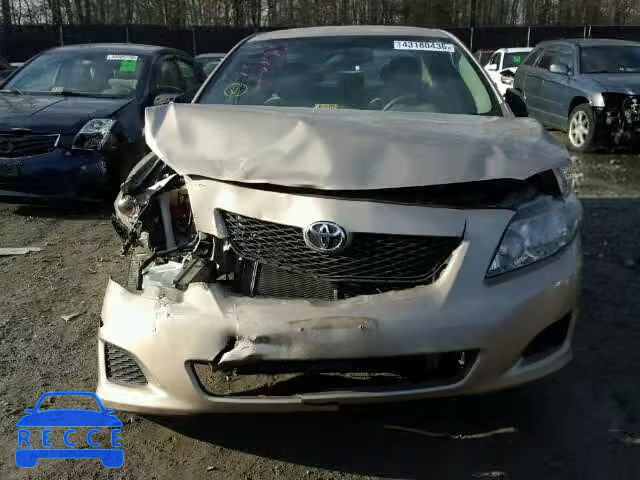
[[369, 257], [121, 367], [14, 146], [275, 282]]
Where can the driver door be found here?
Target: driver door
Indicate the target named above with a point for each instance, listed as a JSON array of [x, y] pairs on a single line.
[[557, 89], [192, 77], [167, 77]]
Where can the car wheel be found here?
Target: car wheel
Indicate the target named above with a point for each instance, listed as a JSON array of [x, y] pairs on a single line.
[[582, 129]]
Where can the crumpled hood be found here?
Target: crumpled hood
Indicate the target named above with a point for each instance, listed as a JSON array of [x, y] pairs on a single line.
[[346, 149], [54, 113], [628, 83]]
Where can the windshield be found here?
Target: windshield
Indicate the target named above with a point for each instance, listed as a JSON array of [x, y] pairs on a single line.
[[610, 59], [513, 60], [88, 73], [68, 402], [417, 74]]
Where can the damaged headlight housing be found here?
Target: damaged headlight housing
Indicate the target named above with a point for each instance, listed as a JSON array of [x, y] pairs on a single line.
[[565, 178], [128, 206], [539, 229], [95, 134]]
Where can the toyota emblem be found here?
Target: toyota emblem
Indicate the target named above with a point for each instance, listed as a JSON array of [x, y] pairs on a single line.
[[326, 237]]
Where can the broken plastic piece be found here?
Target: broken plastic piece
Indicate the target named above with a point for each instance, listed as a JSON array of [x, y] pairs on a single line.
[[18, 250], [71, 316]]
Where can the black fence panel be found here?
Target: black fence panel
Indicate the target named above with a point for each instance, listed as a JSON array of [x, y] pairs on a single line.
[[621, 32], [180, 38], [464, 34], [490, 38], [542, 33], [219, 40], [18, 43], [73, 34]]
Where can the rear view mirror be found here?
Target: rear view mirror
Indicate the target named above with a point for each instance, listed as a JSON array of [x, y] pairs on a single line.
[[516, 103], [164, 99], [165, 95], [559, 68]]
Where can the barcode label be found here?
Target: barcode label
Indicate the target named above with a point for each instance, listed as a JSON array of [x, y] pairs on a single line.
[[426, 46]]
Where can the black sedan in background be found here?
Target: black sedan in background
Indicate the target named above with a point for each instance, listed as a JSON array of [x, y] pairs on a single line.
[[71, 119]]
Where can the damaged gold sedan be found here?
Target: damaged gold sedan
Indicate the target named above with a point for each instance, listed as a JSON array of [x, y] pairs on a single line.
[[343, 215]]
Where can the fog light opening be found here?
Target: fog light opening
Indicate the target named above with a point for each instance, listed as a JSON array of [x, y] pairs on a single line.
[[548, 340]]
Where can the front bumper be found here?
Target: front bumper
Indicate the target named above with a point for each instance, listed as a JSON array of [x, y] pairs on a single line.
[[165, 330], [61, 175]]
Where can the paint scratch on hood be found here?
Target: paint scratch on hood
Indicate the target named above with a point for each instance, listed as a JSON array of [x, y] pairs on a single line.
[[346, 149]]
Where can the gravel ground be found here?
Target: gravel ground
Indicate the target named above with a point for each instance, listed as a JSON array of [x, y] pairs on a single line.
[[582, 423]]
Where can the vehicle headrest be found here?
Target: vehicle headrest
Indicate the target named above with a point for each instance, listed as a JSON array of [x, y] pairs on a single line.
[[295, 68], [401, 65]]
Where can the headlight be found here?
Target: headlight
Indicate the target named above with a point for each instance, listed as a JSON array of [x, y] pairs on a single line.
[[507, 80], [565, 177], [128, 206], [94, 135], [539, 229]]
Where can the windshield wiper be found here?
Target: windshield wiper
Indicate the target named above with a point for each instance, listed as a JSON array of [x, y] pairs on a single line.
[[72, 93], [12, 91]]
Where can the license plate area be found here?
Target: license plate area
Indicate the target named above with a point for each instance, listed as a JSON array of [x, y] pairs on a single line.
[[9, 168]]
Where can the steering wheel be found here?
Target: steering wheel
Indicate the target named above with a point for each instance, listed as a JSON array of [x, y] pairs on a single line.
[[397, 100]]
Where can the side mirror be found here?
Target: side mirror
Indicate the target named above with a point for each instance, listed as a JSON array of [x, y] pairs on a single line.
[[492, 67], [559, 68], [165, 95], [516, 103]]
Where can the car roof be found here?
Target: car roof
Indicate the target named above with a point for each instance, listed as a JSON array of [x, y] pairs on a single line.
[[516, 49], [590, 42], [351, 30], [132, 48], [211, 55]]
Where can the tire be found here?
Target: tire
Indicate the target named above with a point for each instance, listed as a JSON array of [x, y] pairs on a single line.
[[581, 131]]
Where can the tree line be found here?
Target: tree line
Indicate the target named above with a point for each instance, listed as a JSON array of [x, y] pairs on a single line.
[[286, 13]]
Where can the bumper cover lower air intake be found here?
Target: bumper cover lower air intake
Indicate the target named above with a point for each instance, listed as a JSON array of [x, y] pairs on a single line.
[[121, 367]]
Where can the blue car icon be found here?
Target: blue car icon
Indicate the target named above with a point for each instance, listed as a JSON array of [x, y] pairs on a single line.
[[68, 418]]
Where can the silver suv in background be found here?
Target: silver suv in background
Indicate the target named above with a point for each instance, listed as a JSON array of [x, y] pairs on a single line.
[[588, 88], [503, 64]]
